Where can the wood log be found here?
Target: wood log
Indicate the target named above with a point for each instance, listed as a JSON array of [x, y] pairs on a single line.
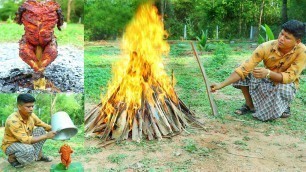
[[94, 115], [135, 134], [110, 124], [125, 133], [190, 115], [162, 115], [179, 114], [171, 118], [148, 127], [155, 128], [165, 107], [89, 115], [140, 124], [157, 120], [174, 115], [120, 125], [99, 128]]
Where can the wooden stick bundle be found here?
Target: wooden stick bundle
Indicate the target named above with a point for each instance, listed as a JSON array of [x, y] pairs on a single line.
[[154, 120]]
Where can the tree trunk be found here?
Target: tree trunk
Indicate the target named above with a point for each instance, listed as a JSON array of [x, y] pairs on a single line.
[[162, 6], [261, 13], [240, 19], [69, 10], [284, 11], [53, 101]]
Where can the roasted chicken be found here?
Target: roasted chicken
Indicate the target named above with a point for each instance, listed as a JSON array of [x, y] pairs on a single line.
[[65, 152], [38, 46]]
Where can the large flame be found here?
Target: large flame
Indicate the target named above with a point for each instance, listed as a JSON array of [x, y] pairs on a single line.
[[141, 72]]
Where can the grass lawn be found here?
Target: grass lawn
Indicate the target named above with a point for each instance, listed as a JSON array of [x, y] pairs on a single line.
[[73, 34]]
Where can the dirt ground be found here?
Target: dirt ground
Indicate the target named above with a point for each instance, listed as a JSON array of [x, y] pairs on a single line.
[[230, 146]]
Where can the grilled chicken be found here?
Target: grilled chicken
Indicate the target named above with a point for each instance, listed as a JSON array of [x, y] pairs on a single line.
[[65, 152], [38, 47]]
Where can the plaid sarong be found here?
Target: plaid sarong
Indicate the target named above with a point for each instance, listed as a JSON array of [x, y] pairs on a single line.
[[26, 153], [269, 100]]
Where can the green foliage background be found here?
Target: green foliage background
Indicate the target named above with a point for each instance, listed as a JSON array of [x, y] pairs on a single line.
[[73, 104], [77, 10], [9, 7], [107, 19]]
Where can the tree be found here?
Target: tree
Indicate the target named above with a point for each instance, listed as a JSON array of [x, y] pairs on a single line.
[[68, 10], [8, 10], [261, 13], [107, 19], [284, 12], [73, 10]]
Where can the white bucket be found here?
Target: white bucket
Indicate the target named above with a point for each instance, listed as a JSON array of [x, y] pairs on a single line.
[[63, 125]]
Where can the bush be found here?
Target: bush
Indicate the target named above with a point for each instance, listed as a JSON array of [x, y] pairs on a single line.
[[202, 40], [8, 10], [107, 19]]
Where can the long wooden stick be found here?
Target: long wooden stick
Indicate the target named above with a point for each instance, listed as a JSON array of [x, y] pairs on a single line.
[[211, 100], [53, 104]]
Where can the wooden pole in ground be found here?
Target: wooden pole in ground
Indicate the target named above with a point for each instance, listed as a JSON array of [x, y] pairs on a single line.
[[211, 100], [53, 101]]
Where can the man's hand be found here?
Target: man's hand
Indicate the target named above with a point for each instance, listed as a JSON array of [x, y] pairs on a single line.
[[215, 87], [260, 72], [51, 134]]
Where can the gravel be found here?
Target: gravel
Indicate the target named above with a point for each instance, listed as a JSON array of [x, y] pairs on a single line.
[[66, 72]]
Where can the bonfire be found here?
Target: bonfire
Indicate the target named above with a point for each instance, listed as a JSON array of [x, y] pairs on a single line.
[[141, 101]]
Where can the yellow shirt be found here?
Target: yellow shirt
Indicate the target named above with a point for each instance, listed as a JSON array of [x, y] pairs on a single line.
[[289, 65], [19, 130]]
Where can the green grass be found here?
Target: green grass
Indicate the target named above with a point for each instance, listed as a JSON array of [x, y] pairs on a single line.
[[72, 35], [192, 147], [190, 86], [97, 71], [116, 158]]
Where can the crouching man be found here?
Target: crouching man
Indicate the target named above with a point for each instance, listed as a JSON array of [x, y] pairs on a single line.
[[269, 90], [25, 134]]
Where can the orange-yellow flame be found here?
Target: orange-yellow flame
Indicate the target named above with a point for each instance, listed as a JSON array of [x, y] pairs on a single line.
[[141, 70]]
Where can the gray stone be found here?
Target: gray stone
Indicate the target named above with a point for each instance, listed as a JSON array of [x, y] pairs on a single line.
[[8, 89]]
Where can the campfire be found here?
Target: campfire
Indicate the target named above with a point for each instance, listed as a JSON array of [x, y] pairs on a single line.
[[141, 101]]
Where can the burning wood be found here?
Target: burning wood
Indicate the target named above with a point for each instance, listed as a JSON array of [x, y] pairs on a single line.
[[141, 101]]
